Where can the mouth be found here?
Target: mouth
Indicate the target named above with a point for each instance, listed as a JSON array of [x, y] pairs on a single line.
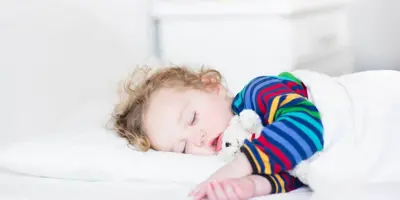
[[216, 143]]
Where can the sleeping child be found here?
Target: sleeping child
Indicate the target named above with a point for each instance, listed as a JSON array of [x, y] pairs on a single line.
[[183, 110]]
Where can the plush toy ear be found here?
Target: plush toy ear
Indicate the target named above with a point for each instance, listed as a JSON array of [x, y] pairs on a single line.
[[251, 122]]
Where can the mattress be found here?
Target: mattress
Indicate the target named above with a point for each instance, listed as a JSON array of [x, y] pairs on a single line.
[[20, 187]]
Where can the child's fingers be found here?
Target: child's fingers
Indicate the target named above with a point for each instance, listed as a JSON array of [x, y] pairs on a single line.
[[198, 189], [210, 192], [201, 194], [219, 191], [237, 188], [215, 192], [229, 191], [194, 191]]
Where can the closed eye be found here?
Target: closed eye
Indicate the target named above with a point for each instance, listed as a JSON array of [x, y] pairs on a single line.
[[184, 148], [194, 119]]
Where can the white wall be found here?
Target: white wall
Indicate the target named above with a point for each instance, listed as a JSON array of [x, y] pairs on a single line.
[[57, 54], [375, 33]]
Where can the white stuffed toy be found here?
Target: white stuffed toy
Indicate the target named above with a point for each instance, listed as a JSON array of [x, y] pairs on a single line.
[[241, 127]]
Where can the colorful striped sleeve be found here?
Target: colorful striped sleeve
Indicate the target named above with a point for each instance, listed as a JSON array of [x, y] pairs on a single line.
[[282, 182], [293, 130]]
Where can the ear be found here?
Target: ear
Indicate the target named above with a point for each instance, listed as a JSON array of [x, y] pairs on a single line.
[[213, 88], [221, 90]]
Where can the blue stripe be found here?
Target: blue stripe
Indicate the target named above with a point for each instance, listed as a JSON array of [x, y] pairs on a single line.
[[293, 102], [237, 100], [274, 91], [294, 145], [241, 95], [307, 118], [285, 181], [279, 146], [307, 131], [261, 86], [301, 134], [249, 91], [297, 87], [316, 132], [252, 91], [272, 157], [309, 124], [294, 138], [287, 147], [310, 107], [268, 112], [267, 104], [266, 117], [253, 149], [267, 82]]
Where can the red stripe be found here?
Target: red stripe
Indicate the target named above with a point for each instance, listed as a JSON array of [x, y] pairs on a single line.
[[268, 97], [300, 91], [278, 153], [289, 181], [305, 90], [261, 92], [291, 84]]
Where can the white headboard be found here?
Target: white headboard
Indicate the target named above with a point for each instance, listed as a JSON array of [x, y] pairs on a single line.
[[57, 55]]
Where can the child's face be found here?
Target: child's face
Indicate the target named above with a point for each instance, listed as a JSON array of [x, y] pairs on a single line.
[[188, 121]]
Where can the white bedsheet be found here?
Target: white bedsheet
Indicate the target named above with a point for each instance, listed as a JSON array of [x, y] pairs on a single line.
[[18, 187]]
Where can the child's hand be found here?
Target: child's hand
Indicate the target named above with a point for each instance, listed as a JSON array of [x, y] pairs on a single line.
[[238, 168], [232, 189]]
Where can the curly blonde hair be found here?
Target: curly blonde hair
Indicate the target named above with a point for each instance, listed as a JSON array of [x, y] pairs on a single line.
[[138, 88]]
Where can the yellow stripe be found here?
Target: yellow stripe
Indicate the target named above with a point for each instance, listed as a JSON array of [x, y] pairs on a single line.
[[289, 98], [273, 109], [252, 157], [266, 162], [281, 182], [276, 185]]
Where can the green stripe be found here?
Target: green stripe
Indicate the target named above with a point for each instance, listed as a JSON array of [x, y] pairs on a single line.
[[238, 101], [283, 111], [290, 76]]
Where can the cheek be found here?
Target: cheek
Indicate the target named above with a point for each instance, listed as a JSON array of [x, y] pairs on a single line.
[[219, 118]]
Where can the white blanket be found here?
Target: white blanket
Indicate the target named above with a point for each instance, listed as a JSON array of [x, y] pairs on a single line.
[[361, 115]]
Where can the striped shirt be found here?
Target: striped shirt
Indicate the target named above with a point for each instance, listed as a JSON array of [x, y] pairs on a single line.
[[293, 129]]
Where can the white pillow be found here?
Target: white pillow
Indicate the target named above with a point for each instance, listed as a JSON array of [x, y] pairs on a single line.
[[82, 148]]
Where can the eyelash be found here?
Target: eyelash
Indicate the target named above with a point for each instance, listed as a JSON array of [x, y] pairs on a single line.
[[194, 120], [184, 148]]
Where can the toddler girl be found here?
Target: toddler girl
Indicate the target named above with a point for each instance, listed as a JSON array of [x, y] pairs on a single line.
[[178, 109]]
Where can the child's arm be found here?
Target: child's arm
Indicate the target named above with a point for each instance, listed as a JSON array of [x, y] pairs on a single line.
[[262, 186], [293, 129], [276, 183], [240, 188]]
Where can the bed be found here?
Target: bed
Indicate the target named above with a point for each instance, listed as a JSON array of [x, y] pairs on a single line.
[[82, 159]]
